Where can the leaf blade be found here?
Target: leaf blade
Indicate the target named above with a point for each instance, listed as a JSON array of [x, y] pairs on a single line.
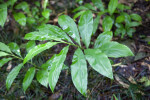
[[3, 12], [112, 6]]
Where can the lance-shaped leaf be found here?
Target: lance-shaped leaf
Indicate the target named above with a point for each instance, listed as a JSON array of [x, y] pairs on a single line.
[[3, 14], [80, 8], [86, 27], [3, 54], [38, 49], [89, 6], [136, 17], [115, 49], [56, 67], [20, 18], [69, 26], [99, 62], [112, 6], [4, 60], [78, 14], [99, 4], [107, 23], [28, 78], [79, 71], [96, 22], [54, 31], [4, 47], [12, 75], [30, 45], [14, 48], [103, 38]]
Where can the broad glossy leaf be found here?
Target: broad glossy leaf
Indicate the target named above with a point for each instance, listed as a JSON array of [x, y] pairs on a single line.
[[24, 6], [3, 14], [120, 19], [78, 14], [136, 17], [56, 67], [14, 48], [30, 45], [112, 6], [55, 31], [28, 78], [12, 75], [115, 49], [46, 13], [103, 38], [107, 23], [4, 61], [38, 49], [95, 23], [3, 54], [79, 71], [69, 26], [99, 62], [4, 47], [86, 27], [20, 18], [99, 4]]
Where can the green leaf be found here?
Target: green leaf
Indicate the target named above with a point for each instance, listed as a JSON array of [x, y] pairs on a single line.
[[123, 7], [4, 61], [55, 31], [80, 8], [20, 18], [14, 48], [103, 38], [127, 19], [115, 49], [69, 26], [78, 14], [23, 6], [79, 71], [3, 54], [107, 23], [28, 78], [4, 47], [11, 2], [99, 62], [99, 4], [45, 4], [3, 14], [86, 27], [95, 23], [56, 67], [130, 31], [136, 17], [30, 20], [120, 19], [46, 13], [38, 49], [30, 45], [89, 6], [12, 75], [134, 24], [112, 6]]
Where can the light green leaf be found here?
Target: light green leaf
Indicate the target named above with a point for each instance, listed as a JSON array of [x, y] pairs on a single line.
[[14, 48], [79, 71], [115, 49], [99, 4], [120, 19], [20, 18], [89, 6], [112, 6], [4, 47], [86, 27], [55, 31], [103, 38], [3, 14], [69, 26], [78, 14], [3, 54], [107, 23], [30, 45], [23, 6], [136, 17], [4, 61], [28, 78], [12, 75], [99, 62], [56, 67], [134, 24], [45, 4], [46, 13], [38, 49]]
